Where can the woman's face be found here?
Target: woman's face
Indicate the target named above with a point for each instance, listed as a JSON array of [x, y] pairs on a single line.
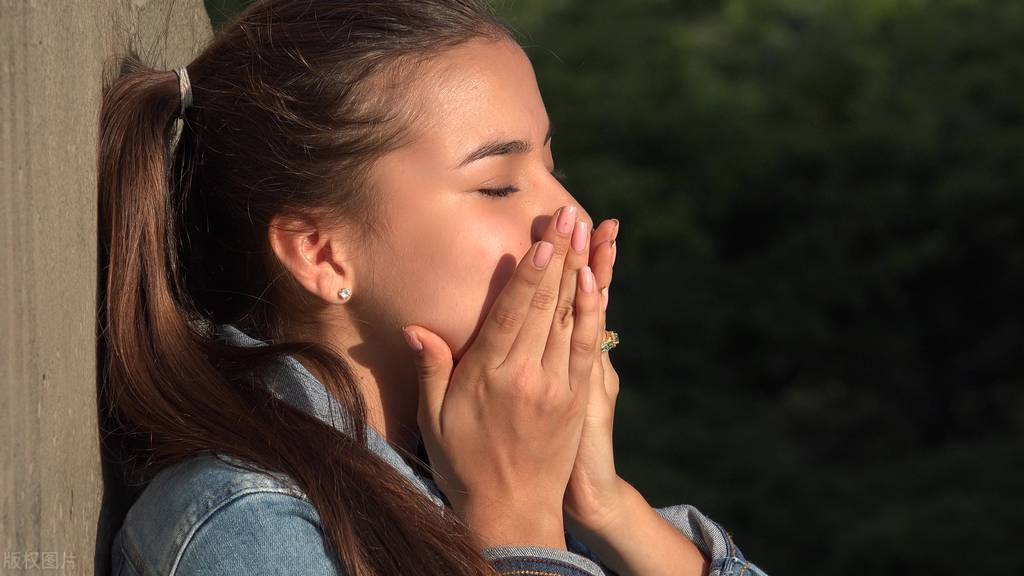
[[450, 248]]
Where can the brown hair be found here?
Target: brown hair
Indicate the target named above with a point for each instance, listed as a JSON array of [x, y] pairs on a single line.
[[292, 103]]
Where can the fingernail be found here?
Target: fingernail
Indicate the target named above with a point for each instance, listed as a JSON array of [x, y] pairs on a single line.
[[615, 251], [566, 218], [412, 340], [615, 228], [604, 298], [579, 236], [587, 279], [542, 255]]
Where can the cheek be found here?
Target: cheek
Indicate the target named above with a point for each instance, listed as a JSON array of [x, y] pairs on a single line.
[[463, 302], [456, 282]]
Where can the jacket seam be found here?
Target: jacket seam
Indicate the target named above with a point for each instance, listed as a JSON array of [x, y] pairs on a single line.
[[730, 547], [206, 518], [543, 560], [132, 556]]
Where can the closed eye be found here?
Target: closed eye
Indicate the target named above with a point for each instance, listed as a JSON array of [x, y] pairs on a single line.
[[502, 192]]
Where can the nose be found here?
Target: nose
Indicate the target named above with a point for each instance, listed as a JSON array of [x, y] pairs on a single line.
[[554, 197]]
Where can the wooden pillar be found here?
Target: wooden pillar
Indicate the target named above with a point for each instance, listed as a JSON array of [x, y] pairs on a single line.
[[58, 505]]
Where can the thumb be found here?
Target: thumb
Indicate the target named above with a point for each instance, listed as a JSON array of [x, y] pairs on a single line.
[[434, 370]]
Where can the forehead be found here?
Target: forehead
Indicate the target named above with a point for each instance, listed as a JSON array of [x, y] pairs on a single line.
[[473, 93]]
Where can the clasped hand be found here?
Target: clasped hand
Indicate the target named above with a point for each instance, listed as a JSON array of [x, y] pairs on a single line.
[[519, 432]]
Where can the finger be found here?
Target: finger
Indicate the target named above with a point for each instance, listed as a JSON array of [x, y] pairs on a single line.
[[434, 369], [607, 231], [603, 379], [584, 347], [510, 309], [609, 378], [603, 257], [601, 263], [597, 375], [556, 352], [609, 383], [604, 361], [533, 335]]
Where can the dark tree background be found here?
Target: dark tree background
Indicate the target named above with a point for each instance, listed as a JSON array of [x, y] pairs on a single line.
[[821, 260]]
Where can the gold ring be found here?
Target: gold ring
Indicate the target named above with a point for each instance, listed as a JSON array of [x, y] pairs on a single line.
[[611, 340]]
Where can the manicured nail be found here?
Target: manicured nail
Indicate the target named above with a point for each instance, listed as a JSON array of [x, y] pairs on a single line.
[[615, 251], [542, 255], [579, 236], [615, 228], [412, 340], [587, 279], [566, 218]]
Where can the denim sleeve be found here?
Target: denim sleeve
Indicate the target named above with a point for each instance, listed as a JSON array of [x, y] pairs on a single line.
[[724, 557], [258, 533], [541, 561], [271, 533]]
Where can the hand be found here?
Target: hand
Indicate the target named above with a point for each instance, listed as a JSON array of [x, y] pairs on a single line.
[[595, 495], [502, 429]]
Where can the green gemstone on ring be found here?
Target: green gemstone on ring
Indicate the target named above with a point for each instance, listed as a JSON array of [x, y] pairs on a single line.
[[611, 340]]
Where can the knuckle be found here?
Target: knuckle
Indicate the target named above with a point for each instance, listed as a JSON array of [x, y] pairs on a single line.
[[521, 379], [561, 249], [584, 345], [564, 313], [554, 393], [536, 390], [506, 319], [544, 298]]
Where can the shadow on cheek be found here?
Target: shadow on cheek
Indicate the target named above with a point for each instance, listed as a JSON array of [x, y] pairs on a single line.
[[503, 272]]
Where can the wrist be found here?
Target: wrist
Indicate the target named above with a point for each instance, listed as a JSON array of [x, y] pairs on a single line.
[[613, 520], [639, 541], [496, 523]]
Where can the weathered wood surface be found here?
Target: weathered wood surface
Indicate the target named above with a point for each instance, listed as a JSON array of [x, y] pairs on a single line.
[[57, 504]]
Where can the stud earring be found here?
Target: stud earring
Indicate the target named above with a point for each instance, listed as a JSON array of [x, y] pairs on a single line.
[[344, 293]]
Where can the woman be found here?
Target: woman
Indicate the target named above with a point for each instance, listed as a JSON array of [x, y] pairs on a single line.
[[321, 283]]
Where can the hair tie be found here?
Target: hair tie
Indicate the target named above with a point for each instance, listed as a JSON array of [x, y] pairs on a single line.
[[184, 89]]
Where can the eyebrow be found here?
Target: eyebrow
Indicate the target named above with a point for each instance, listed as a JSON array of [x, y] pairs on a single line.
[[503, 147]]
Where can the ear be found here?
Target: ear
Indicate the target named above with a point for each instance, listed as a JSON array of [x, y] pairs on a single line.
[[312, 255]]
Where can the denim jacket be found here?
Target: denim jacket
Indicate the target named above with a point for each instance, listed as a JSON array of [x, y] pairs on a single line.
[[210, 516]]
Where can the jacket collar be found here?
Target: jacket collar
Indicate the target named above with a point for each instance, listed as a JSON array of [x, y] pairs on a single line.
[[289, 380]]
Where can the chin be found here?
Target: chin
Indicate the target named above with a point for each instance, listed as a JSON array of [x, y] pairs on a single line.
[[459, 349], [460, 341]]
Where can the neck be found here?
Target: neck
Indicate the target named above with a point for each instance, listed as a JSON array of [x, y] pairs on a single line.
[[389, 386], [391, 395]]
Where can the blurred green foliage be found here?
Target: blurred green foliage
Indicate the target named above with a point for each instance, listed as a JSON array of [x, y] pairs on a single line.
[[822, 254]]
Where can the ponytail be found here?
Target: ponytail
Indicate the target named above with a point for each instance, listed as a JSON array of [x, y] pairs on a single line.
[[177, 392]]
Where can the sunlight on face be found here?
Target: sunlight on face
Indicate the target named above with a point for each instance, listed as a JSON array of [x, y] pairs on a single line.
[[453, 245]]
